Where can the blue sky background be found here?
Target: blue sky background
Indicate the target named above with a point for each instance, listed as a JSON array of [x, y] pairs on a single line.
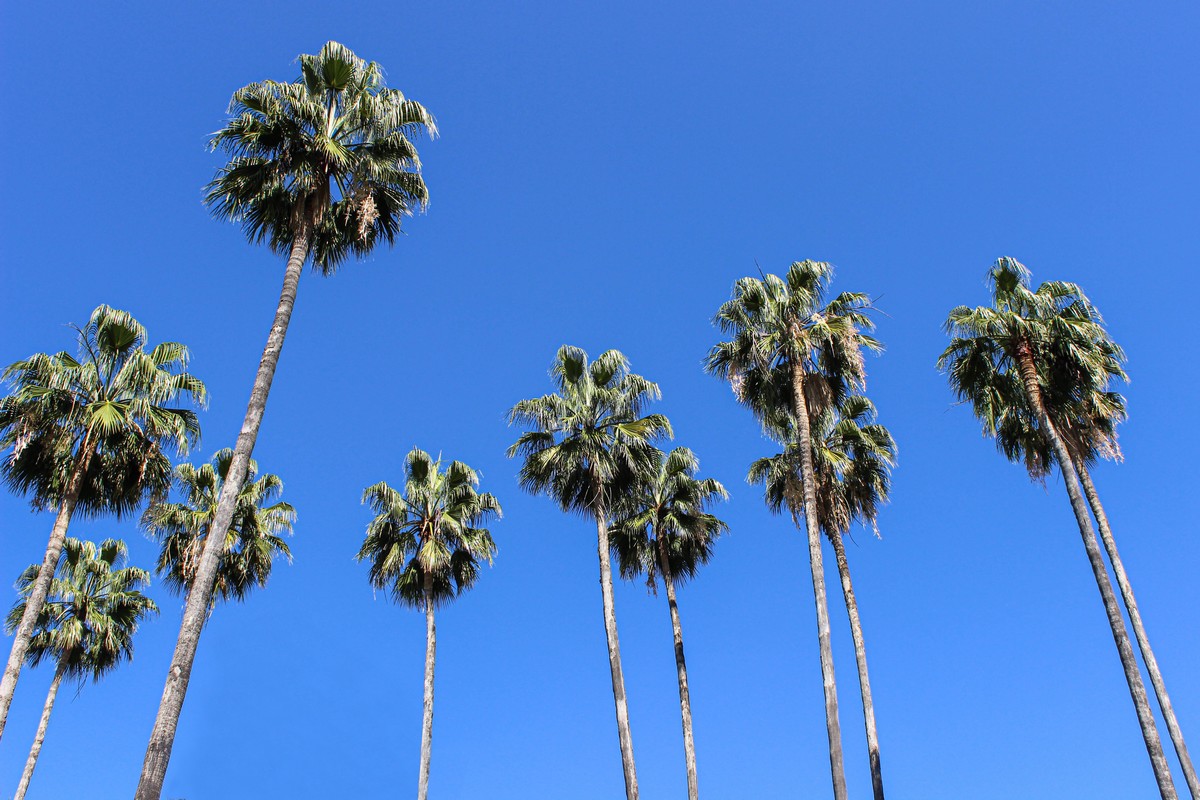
[[603, 177]]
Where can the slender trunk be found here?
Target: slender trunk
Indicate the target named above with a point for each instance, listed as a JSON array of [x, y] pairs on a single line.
[[836, 762], [1137, 690], [41, 585], [860, 655], [1139, 631], [36, 750], [614, 657], [162, 737], [427, 718], [685, 699]]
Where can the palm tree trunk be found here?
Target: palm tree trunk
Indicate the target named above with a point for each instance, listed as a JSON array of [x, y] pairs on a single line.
[[162, 737], [1139, 631], [1137, 690], [41, 586], [860, 655], [427, 717], [36, 750], [614, 657], [833, 727], [685, 699]]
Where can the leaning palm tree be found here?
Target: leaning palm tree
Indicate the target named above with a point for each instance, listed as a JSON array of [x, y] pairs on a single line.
[[588, 441], [1018, 341], [254, 540], [790, 350], [425, 546], [87, 623], [88, 434], [663, 531], [321, 169], [852, 460]]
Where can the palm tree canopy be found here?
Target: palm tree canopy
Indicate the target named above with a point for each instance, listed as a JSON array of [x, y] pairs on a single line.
[[93, 609], [255, 538], [588, 440], [433, 531], [115, 399], [330, 155], [668, 503]]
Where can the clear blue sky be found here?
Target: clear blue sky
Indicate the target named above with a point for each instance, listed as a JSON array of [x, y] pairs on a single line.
[[603, 177]]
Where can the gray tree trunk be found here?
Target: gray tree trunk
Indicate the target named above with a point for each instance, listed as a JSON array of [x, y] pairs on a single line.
[[1137, 690], [41, 585], [1139, 631], [614, 657], [36, 750], [427, 716], [162, 737], [832, 725], [685, 699], [860, 656]]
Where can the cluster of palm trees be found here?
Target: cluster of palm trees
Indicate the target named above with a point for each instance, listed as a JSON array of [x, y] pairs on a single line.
[[325, 168]]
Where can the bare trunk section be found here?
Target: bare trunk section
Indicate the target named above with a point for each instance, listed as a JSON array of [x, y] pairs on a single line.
[[836, 761], [1139, 631], [36, 750], [162, 737], [614, 657], [685, 698], [1137, 690], [860, 656], [41, 586], [427, 717]]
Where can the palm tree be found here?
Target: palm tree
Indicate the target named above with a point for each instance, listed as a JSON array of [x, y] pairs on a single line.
[[852, 460], [87, 623], [781, 328], [425, 546], [321, 168], [1016, 342], [664, 532], [87, 435], [254, 539], [587, 443]]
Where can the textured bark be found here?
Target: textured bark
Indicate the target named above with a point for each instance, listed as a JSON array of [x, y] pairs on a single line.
[[833, 727], [41, 585], [1137, 690], [685, 698], [860, 656], [162, 737], [36, 750], [1139, 631], [427, 716], [614, 658]]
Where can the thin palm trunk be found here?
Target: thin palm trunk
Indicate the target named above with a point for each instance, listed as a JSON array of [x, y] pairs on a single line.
[[162, 737], [427, 718], [1137, 690], [614, 657], [833, 726], [1139, 631], [860, 656], [685, 699], [41, 586], [44, 723]]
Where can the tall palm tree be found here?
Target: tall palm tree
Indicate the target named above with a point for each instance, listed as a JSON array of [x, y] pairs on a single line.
[[782, 327], [425, 546], [587, 442], [1017, 341], [87, 623], [664, 532], [321, 169], [852, 460], [88, 435], [254, 540]]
